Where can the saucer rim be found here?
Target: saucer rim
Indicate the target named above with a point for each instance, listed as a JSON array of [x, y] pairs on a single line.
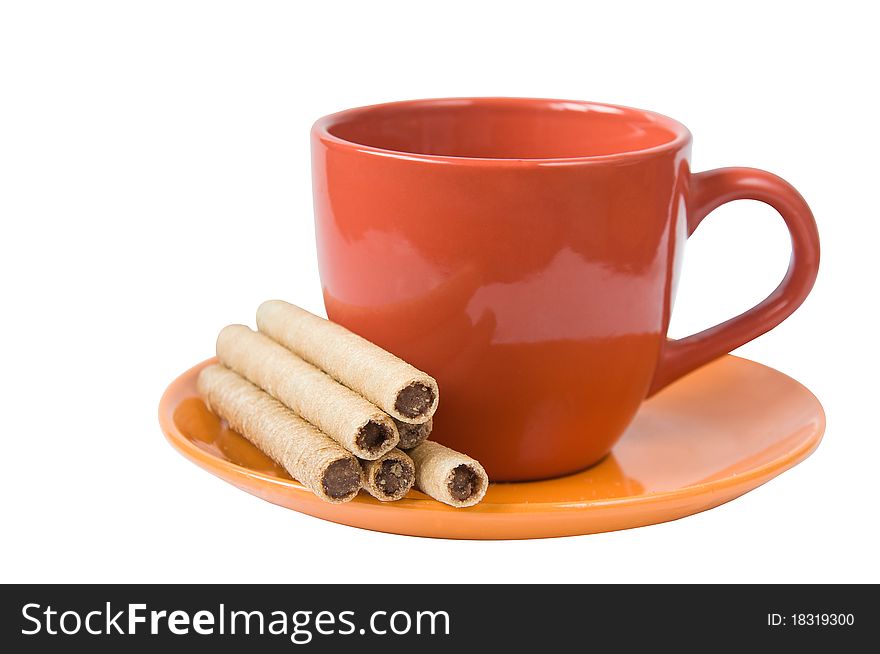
[[223, 468]]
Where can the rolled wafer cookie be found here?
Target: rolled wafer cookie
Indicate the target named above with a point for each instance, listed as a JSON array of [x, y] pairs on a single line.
[[396, 387], [346, 417], [389, 477], [313, 459], [448, 476], [413, 435]]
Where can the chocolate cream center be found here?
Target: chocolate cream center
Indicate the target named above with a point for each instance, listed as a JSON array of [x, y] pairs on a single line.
[[414, 400], [393, 476], [464, 483], [342, 478], [373, 435]]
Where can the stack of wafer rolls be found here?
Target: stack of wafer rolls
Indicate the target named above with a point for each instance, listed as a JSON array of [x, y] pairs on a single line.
[[339, 413]]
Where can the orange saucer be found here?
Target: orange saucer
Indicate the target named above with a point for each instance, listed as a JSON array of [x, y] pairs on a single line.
[[708, 438]]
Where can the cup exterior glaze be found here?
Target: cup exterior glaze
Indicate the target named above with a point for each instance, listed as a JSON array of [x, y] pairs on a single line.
[[536, 289]]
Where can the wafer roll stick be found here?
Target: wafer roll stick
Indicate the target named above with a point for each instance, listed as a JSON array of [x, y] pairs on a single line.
[[316, 461], [447, 475], [389, 477], [413, 435], [342, 414], [396, 387]]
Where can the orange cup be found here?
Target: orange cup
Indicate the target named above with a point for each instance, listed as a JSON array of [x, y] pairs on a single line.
[[525, 253]]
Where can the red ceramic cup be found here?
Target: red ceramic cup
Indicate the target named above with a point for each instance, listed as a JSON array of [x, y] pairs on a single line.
[[525, 253]]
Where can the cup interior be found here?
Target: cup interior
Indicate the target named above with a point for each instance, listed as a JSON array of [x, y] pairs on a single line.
[[505, 128]]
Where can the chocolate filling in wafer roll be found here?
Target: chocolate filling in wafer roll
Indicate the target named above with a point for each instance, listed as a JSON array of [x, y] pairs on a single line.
[[414, 400], [448, 476], [464, 483], [389, 477], [356, 424], [396, 387], [413, 435], [309, 456], [339, 478]]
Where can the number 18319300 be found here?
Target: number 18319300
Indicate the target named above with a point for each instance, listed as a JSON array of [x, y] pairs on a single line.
[[811, 620]]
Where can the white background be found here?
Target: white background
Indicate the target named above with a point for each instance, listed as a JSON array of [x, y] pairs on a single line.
[[155, 186]]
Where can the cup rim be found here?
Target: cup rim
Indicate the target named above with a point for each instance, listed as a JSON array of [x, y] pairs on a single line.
[[321, 131]]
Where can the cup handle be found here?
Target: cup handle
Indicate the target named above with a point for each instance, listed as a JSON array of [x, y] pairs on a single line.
[[708, 191]]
